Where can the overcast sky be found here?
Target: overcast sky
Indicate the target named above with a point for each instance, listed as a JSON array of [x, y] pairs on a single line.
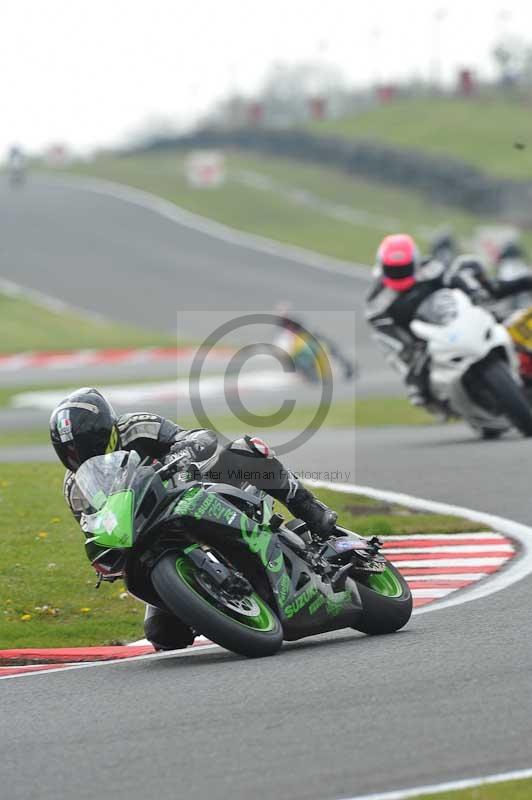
[[87, 72]]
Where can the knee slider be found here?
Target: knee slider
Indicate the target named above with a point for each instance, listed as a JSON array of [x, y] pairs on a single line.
[[203, 444]]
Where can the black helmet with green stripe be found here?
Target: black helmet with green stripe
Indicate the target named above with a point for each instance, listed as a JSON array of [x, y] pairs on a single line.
[[82, 426]]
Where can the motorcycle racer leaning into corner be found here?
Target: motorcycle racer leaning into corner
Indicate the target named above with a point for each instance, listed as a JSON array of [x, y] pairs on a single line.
[[403, 281], [85, 425]]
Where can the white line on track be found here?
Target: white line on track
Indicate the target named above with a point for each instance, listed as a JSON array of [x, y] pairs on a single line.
[[439, 788], [465, 549], [433, 577], [146, 393], [450, 537], [191, 651], [12, 289], [180, 216], [432, 592], [518, 567], [209, 227], [449, 562]]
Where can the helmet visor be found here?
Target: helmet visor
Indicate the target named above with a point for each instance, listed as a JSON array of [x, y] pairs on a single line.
[[398, 277], [85, 446]]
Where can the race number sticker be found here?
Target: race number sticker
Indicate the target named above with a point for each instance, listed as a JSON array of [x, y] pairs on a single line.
[[108, 521]]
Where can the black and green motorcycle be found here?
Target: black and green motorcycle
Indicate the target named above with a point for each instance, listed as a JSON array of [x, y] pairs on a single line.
[[218, 558]]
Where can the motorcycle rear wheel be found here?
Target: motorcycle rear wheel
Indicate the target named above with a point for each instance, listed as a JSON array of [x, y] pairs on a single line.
[[248, 626], [386, 600]]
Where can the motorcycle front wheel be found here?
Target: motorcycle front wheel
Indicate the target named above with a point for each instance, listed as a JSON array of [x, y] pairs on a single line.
[[245, 625], [386, 600], [511, 399]]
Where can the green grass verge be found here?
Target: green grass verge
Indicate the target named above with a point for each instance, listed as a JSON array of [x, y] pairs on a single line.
[[27, 326], [47, 594], [268, 213], [376, 518], [365, 413], [46, 583], [510, 790], [481, 131], [378, 411]]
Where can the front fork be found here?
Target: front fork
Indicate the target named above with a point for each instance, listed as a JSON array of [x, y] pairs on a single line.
[[222, 577]]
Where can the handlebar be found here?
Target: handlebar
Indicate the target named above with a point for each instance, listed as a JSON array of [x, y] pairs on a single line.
[[169, 470]]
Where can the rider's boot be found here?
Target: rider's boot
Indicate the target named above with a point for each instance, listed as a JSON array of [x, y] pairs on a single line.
[[418, 381], [320, 519], [417, 394]]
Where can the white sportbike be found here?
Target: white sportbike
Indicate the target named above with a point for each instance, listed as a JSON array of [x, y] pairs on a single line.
[[473, 366]]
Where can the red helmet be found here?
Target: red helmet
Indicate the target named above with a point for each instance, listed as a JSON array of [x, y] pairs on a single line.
[[398, 258]]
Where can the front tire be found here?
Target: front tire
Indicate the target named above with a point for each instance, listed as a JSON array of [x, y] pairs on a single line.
[[510, 398], [249, 627], [386, 600]]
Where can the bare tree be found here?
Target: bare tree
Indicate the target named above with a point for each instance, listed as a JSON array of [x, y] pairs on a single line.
[[512, 55]]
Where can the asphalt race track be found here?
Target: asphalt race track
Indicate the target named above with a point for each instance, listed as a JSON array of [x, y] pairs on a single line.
[[330, 717]]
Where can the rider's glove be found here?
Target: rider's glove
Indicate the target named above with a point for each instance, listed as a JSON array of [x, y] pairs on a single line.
[[183, 456], [201, 444], [181, 453]]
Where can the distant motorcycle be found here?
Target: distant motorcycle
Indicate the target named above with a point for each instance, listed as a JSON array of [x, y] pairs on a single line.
[[312, 355], [16, 168], [473, 365], [309, 358], [219, 559]]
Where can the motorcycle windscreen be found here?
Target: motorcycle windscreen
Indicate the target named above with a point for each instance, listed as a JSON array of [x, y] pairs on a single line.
[[440, 308], [112, 525], [101, 476], [103, 483]]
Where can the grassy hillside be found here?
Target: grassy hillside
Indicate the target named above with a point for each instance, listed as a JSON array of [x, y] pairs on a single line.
[[481, 131], [310, 206]]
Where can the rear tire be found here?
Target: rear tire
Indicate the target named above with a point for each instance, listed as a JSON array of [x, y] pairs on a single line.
[[175, 582], [387, 602], [510, 397]]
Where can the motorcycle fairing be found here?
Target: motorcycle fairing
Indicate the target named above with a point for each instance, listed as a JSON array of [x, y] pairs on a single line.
[[304, 601]]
